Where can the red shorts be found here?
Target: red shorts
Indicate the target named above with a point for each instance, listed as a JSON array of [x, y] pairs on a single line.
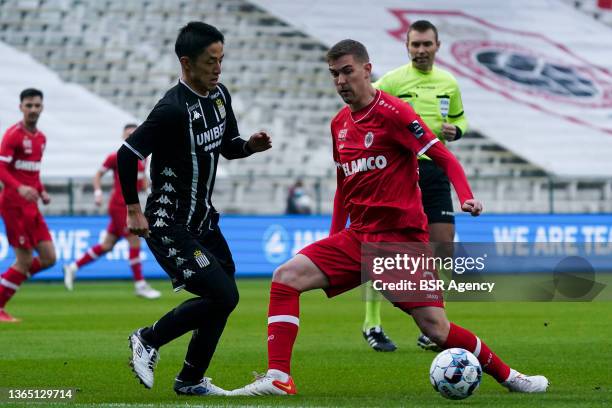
[[25, 226], [339, 258], [118, 221]]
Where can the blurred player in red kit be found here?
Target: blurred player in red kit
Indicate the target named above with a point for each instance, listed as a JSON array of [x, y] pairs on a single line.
[[117, 228], [20, 157]]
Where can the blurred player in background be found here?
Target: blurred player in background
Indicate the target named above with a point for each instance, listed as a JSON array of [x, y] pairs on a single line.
[[185, 133], [20, 157], [434, 95], [117, 228], [376, 140]]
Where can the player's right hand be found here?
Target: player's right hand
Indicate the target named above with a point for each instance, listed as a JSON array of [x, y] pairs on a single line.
[[98, 196], [136, 221], [29, 193], [472, 206]]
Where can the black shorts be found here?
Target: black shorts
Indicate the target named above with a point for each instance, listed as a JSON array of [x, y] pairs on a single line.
[[436, 194], [182, 254]]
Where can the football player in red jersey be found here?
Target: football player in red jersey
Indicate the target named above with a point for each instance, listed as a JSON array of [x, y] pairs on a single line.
[[117, 228], [20, 157], [376, 141]]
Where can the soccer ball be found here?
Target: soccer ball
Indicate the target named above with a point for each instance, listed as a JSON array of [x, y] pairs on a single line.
[[455, 373]]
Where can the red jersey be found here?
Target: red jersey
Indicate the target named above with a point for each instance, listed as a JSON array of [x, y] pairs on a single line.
[[110, 163], [20, 157], [376, 150]]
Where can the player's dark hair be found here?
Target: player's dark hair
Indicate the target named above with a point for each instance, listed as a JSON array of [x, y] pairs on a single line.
[[348, 47], [30, 93], [421, 26], [130, 126], [194, 38]]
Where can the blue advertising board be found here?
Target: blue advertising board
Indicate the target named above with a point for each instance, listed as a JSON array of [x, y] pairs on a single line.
[[260, 243]]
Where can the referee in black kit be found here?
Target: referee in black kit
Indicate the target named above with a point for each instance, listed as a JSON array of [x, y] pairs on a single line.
[[185, 133]]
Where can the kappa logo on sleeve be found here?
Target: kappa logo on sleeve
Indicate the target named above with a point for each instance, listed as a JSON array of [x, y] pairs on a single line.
[[416, 129]]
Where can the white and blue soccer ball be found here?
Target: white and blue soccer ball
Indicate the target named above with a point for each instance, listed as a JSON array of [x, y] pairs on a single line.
[[455, 373]]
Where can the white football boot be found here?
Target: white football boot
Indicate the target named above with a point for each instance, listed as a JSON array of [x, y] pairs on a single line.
[[143, 289], [204, 387], [266, 384], [70, 271], [518, 382], [144, 359]]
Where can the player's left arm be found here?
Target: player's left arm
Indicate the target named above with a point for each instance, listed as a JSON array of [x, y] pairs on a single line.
[[233, 146], [417, 137], [456, 124]]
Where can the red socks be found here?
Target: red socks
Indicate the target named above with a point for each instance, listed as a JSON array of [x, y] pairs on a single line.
[[9, 283], [135, 264], [92, 253], [283, 323], [491, 364]]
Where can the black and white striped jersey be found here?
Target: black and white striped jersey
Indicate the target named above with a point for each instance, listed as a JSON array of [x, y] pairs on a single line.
[[185, 133]]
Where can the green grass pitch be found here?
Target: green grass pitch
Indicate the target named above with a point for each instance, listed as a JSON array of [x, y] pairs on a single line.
[[79, 340]]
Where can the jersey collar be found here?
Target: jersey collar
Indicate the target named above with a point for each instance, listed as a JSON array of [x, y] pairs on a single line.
[[367, 109], [191, 89]]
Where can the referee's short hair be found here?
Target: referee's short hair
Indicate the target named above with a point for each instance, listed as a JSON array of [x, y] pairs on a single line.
[[421, 26], [194, 38]]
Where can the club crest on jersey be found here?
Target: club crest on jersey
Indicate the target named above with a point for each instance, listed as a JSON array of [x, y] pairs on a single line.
[[369, 139], [416, 129], [221, 108], [27, 146]]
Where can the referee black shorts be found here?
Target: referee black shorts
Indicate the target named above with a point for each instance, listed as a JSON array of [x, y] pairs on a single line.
[[436, 194], [201, 264]]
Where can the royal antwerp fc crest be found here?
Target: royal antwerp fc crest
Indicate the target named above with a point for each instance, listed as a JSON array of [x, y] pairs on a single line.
[[369, 139]]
